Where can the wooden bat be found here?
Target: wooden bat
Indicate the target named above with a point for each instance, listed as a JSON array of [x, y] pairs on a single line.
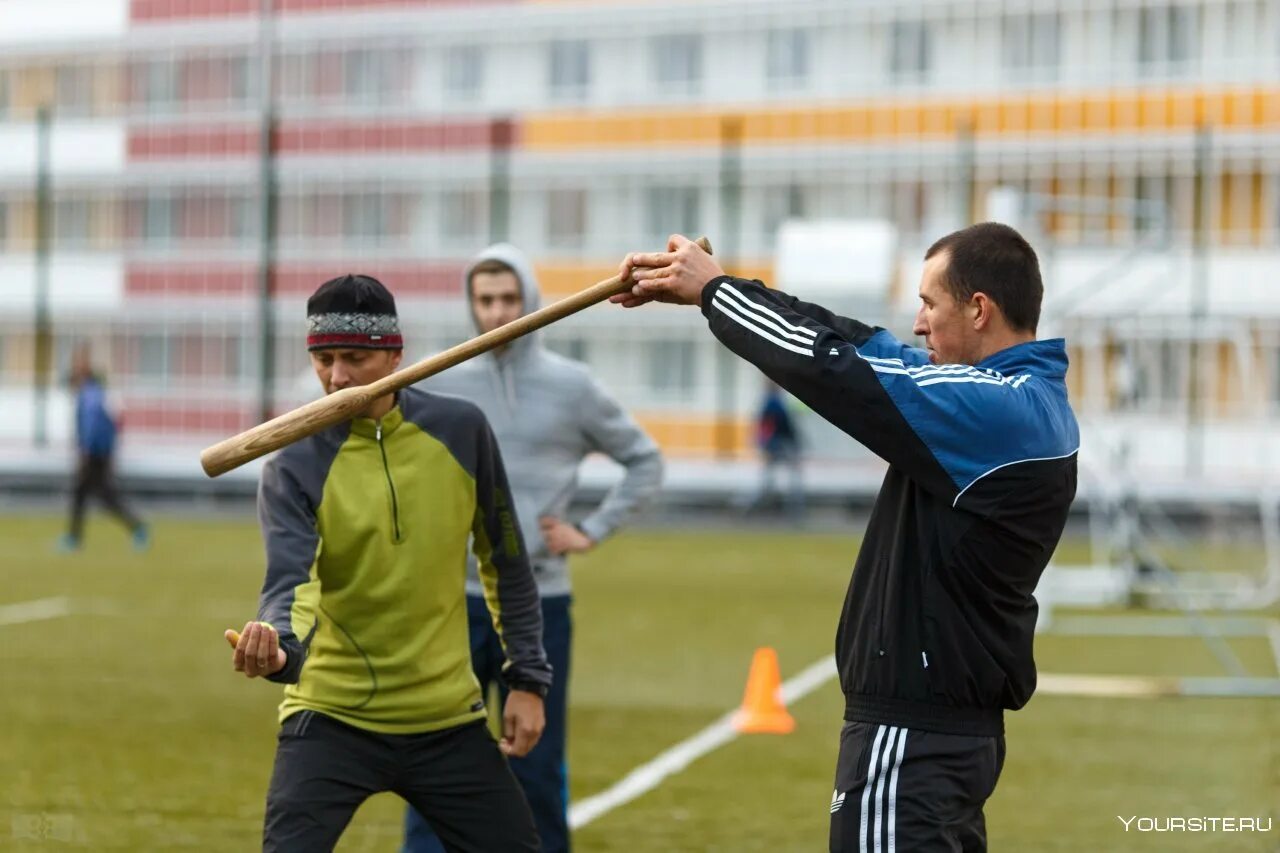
[[347, 403]]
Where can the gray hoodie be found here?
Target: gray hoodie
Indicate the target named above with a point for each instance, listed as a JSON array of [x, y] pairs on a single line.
[[548, 414]]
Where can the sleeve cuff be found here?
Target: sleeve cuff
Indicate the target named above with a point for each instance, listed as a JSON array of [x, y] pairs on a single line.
[[709, 292], [524, 677], [294, 658], [595, 529]]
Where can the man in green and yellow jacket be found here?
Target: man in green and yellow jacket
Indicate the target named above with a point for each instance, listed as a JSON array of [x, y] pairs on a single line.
[[363, 612]]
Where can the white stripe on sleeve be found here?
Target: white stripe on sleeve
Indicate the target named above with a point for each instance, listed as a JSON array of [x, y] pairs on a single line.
[[746, 308], [735, 314], [761, 309]]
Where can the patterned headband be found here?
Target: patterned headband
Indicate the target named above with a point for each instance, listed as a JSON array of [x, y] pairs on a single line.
[[356, 331]]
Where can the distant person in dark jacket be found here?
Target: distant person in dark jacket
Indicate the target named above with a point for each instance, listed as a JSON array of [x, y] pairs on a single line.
[[95, 445], [779, 441]]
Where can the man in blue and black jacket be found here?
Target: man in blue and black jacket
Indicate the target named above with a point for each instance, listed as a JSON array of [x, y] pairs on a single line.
[[935, 640]]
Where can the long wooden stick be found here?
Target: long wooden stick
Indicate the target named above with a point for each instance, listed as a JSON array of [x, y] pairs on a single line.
[[346, 404]]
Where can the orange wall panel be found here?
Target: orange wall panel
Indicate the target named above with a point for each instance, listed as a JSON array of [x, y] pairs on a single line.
[[1155, 111], [561, 279], [698, 435]]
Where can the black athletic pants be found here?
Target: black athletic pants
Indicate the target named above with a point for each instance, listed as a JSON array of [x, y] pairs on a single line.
[[913, 791], [456, 778], [94, 475]]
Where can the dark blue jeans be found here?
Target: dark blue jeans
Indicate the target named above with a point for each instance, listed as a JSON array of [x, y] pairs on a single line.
[[542, 773]]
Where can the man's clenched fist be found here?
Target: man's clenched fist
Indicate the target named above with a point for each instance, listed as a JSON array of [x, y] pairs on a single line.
[[257, 651]]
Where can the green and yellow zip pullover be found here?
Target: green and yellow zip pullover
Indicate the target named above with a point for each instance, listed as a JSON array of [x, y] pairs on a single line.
[[366, 526]]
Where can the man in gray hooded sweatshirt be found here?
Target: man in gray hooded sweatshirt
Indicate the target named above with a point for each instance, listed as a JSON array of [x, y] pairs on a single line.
[[548, 414]]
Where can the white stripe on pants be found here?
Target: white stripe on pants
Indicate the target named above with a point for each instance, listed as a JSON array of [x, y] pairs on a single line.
[[881, 765]]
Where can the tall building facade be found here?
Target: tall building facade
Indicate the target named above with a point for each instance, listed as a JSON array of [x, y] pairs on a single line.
[[1135, 142]]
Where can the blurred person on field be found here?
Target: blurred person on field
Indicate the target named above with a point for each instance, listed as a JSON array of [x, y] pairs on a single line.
[[935, 640], [363, 616], [548, 414], [97, 429], [778, 438]]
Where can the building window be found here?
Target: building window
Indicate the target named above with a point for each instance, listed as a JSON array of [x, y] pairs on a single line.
[[1275, 379], [157, 221], [364, 219], [234, 357], [157, 85], [566, 218], [570, 69], [907, 206], [787, 58], [243, 225], [1032, 43], [1151, 203], [153, 361], [1167, 38], [73, 91], [361, 76], [1275, 195], [462, 215], [574, 348], [671, 210], [677, 62], [214, 82], [294, 78], [669, 368], [781, 204], [241, 81], [463, 72], [292, 358], [909, 51], [374, 76], [1171, 361], [71, 223]]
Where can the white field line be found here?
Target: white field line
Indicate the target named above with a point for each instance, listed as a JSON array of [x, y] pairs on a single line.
[[1106, 686], [35, 611], [648, 776], [1273, 634]]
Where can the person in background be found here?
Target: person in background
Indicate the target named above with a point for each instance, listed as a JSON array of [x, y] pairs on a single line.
[[779, 441], [96, 433], [548, 414]]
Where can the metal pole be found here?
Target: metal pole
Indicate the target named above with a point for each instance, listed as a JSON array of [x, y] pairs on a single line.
[[500, 139], [967, 171], [267, 201], [43, 320], [727, 247], [1199, 307]]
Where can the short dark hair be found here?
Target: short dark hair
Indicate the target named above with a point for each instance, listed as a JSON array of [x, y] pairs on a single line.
[[996, 260], [491, 266]]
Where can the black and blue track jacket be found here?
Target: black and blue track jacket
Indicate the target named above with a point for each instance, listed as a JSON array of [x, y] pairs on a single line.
[[936, 632]]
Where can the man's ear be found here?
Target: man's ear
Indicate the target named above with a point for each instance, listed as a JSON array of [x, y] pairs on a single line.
[[981, 311], [396, 356]]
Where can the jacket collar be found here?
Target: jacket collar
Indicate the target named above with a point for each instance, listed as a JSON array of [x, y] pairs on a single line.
[[368, 427], [1047, 358]]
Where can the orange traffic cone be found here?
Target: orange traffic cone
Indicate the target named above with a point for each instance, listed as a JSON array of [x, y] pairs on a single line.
[[763, 711]]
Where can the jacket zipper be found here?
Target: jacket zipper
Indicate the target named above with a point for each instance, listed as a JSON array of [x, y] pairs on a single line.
[[505, 389], [386, 467]]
